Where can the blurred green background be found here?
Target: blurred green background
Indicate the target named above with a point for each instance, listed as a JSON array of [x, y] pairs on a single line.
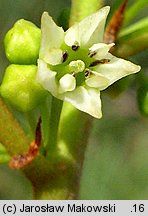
[[116, 162]]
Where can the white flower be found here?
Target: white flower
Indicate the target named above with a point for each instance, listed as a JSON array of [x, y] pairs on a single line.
[[76, 65]]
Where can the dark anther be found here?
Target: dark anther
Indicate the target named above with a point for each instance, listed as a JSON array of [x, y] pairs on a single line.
[[102, 61], [91, 54], [88, 72], [75, 46], [73, 74], [65, 56]]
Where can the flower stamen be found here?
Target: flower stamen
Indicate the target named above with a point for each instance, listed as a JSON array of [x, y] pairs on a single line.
[[75, 46], [102, 61], [91, 54], [88, 73], [74, 73], [65, 56]]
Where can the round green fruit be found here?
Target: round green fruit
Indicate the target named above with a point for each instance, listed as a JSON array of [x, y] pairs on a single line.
[[22, 43], [20, 88]]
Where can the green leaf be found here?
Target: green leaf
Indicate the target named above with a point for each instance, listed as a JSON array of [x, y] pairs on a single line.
[[134, 10], [133, 39]]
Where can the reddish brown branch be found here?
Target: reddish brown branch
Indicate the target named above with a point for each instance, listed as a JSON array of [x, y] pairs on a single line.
[[19, 161], [115, 24]]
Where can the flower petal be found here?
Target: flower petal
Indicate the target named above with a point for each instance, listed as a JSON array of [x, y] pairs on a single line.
[[86, 100], [47, 77], [100, 50], [97, 80], [51, 38], [67, 83], [88, 31], [116, 68], [54, 56]]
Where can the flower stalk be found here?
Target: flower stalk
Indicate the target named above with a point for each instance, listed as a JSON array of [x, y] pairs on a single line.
[[51, 147], [15, 141], [82, 9]]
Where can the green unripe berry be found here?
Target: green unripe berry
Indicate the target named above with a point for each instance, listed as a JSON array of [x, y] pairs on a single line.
[[143, 99], [22, 43], [20, 88]]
